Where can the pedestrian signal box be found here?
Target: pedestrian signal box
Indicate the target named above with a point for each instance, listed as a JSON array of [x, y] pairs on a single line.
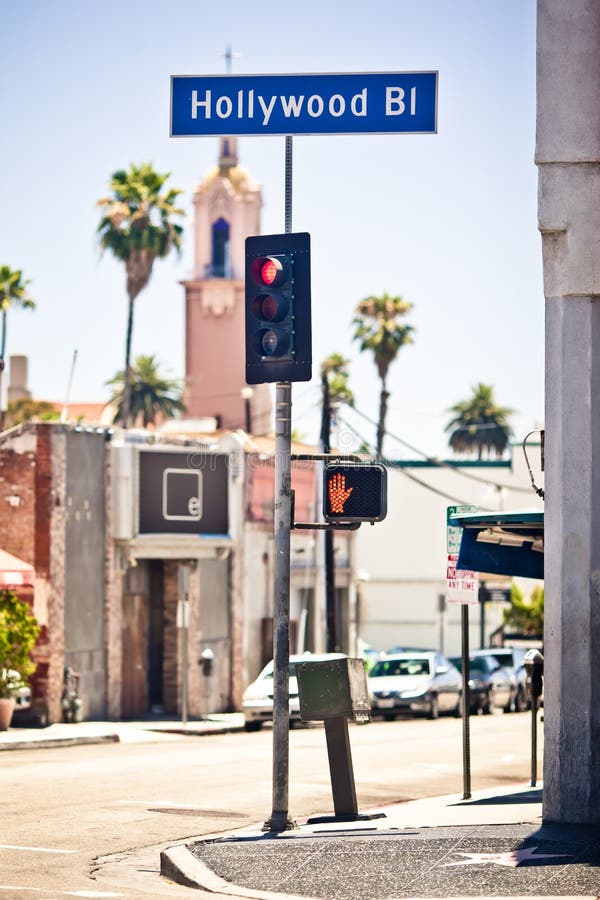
[[355, 492]]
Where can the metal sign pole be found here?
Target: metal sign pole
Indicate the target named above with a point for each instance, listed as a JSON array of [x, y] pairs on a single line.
[[466, 704], [280, 820]]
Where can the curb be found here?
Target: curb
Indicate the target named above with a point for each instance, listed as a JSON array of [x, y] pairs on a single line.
[[60, 742], [180, 865]]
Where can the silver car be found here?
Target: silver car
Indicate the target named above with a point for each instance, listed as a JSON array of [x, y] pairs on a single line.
[[257, 701], [421, 683]]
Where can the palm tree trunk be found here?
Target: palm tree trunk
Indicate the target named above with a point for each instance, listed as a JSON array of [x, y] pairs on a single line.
[[383, 399], [332, 625], [3, 340], [2, 350], [125, 412]]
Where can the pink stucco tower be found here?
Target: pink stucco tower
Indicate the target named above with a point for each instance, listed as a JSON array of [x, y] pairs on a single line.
[[227, 205]]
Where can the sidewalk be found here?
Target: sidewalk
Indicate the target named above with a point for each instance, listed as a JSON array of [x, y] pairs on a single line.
[[493, 845], [68, 734]]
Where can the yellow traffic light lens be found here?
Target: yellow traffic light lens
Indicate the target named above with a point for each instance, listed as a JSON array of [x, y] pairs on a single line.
[[270, 307]]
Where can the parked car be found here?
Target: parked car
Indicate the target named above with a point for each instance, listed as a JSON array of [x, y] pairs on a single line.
[[511, 659], [419, 683], [490, 685], [257, 700]]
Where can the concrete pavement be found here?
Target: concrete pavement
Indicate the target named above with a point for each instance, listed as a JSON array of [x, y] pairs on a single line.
[[493, 845]]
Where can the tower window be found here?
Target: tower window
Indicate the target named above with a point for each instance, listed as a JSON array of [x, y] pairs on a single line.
[[220, 262]]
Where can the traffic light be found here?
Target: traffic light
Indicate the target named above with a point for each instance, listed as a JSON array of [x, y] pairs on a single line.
[[355, 492], [278, 329]]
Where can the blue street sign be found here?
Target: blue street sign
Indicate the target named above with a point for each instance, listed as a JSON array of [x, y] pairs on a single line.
[[370, 103]]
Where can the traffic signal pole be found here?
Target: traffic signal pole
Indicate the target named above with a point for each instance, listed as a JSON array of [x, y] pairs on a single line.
[[282, 511]]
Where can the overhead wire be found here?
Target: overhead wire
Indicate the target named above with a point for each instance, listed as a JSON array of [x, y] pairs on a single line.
[[443, 463], [413, 477]]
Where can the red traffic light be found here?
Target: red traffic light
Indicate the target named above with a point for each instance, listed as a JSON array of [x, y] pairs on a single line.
[[355, 492], [277, 308], [271, 271]]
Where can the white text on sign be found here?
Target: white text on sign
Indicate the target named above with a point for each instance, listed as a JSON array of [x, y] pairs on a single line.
[[247, 104]]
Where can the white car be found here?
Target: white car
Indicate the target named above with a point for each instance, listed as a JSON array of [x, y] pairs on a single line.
[[257, 702]]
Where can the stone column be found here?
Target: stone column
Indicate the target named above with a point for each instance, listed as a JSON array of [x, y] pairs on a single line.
[[568, 156]]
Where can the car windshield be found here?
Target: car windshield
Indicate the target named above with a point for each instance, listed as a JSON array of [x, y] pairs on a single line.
[[503, 659], [479, 665], [269, 672], [414, 666]]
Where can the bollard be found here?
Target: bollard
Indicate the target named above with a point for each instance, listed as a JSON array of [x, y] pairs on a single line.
[[534, 666]]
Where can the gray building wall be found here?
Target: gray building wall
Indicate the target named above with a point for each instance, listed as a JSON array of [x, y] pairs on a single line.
[[84, 568]]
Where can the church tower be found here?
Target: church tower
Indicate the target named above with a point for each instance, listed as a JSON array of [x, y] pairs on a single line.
[[227, 205]]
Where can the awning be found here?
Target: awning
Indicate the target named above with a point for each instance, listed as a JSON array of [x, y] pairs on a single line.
[[14, 572], [502, 543]]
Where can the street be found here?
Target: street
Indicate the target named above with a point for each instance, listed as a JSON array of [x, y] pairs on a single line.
[[74, 817]]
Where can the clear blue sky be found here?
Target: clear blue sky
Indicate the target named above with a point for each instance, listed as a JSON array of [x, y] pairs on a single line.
[[448, 221]]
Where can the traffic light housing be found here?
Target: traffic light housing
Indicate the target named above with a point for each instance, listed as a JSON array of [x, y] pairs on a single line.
[[355, 492], [278, 320]]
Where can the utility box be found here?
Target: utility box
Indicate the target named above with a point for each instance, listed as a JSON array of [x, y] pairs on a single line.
[[333, 689]]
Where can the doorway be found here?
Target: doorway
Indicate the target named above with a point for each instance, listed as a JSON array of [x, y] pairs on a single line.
[[143, 641]]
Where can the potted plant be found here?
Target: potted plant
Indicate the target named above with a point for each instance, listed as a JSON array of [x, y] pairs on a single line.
[[18, 634]]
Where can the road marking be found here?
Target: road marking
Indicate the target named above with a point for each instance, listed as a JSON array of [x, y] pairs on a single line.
[[20, 888], [34, 849]]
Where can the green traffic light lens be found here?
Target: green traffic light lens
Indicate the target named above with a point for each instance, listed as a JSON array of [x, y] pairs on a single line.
[[274, 343]]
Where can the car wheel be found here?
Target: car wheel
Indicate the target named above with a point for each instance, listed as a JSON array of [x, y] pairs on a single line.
[[509, 706], [488, 706], [253, 726], [434, 708], [458, 712]]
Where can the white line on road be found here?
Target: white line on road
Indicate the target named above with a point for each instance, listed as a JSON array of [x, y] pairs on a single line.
[[20, 888], [34, 849]]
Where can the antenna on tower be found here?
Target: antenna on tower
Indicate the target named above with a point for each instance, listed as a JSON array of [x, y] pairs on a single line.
[[65, 410]]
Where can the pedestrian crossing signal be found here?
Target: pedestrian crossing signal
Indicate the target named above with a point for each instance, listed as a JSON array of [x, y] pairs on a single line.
[[355, 492]]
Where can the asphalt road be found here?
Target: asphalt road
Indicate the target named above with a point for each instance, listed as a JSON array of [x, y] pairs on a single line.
[[88, 820]]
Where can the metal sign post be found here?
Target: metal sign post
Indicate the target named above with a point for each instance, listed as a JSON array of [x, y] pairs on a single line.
[[280, 820], [462, 587]]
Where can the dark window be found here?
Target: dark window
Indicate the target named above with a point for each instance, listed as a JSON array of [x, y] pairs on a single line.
[[220, 249]]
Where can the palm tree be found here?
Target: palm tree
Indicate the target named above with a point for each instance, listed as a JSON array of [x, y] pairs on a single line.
[[479, 423], [379, 328], [137, 228], [151, 393], [13, 292]]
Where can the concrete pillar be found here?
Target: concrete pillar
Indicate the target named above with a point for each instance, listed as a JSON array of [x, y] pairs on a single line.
[[568, 156]]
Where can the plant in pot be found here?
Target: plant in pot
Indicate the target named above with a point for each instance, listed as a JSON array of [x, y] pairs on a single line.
[[18, 634]]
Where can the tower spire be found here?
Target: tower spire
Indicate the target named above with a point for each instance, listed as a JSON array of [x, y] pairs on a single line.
[[228, 157]]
